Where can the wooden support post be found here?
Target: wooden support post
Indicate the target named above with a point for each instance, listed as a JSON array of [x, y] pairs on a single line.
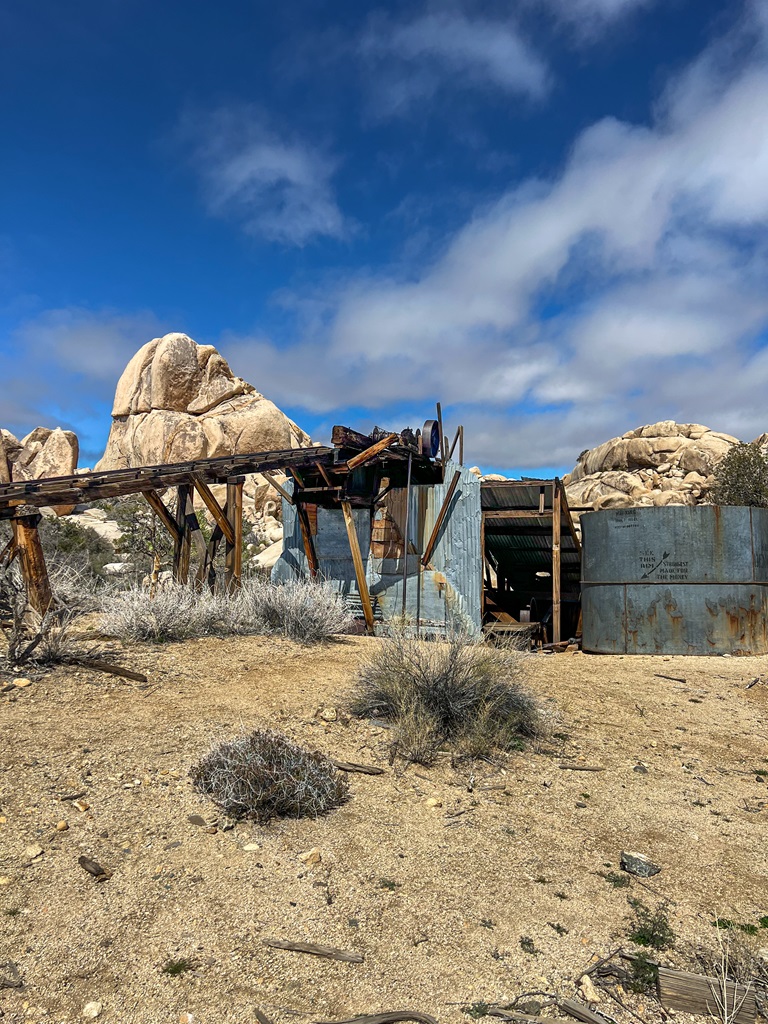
[[309, 544], [482, 566], [443, 442], [234, 551], [556, 523], [371, 452], [32, 559], [440, 517], [357, 561], [182, 545], [324, 474], [214, 508], [296, 476], [193, 525], [206, 573], [8, 553]]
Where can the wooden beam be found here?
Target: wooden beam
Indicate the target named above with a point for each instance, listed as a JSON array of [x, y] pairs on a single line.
[[541, 501], [309, 544], [371, 452], [432, 542], [357, 561], [182, 545], [157, 505], [8, 553], [32, 559], [206, 572], [517, 513], [556, 521], [567, 515], [443, 442], [193, 525], [324, 473], [214, 508], [699, 994], [346, 437], [279, 488], [234, 552], [296, 476]]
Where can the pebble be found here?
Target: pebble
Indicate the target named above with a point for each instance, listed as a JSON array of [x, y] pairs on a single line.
[[329, 714], [21, 683], [62, 826], [587, 990], [5, 880], [92, 1010], [251, 847], [311, 857], [33, 852], [433, 802], [81, 805]]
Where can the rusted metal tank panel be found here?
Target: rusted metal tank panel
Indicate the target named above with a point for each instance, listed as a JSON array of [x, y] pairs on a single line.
[[675, 580]]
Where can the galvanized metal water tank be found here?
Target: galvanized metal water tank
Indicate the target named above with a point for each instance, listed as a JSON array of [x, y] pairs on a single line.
[[675, 580]]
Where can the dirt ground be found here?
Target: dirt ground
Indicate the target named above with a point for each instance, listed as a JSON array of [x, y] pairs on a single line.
[[436, 899]]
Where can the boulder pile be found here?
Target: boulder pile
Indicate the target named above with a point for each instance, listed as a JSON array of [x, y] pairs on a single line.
[[43, 452], [664, 463]]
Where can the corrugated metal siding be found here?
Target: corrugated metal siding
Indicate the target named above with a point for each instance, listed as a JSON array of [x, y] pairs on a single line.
[[435, 596]]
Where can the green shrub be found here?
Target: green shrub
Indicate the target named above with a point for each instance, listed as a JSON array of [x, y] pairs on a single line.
[[741, 478], [262, 775], [650, 928], [459, 693]]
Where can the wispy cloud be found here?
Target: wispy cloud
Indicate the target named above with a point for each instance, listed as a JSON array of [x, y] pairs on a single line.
[[590, 16], [630, 287], [275, 186], [449, 49]]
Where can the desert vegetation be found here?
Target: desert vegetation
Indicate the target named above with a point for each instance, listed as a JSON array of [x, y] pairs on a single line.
[[462, 695], [741, 477]]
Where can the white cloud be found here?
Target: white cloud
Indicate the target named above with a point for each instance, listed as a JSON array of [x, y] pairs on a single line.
[[597, 12], [277, 187], [450, 48], [629, 288]]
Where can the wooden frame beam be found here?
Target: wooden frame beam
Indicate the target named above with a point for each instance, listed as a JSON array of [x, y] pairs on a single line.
[[214, 508], [32, 559], [357, 561], [183, 543], [234, 550], [157, 505], [432, 542], [556, 562], [309, 544], [372, 452], [279, 488]]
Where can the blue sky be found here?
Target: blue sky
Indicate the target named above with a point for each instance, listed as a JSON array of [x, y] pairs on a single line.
[[549, 214]]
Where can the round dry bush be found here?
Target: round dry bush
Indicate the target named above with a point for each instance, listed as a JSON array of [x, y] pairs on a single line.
[[262, 775]]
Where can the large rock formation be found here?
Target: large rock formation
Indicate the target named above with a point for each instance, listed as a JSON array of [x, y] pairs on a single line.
[[177, 401], [42, 453], [663, 463]]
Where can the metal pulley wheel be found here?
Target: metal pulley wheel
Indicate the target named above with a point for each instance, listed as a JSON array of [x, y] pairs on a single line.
[[430, 439]]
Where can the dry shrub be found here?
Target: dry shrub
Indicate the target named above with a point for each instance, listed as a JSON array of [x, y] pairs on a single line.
[[261, 775], [459, 693], [305, 611]]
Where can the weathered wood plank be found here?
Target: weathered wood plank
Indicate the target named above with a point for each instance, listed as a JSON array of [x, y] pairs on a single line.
[[183, 544], [432, 542], [308, 541], [357, 560], [329, 952], [556, 569], [32, 560], [699, 994], [372, 452], [157, 505], [346, 437], [233, 560], [279, 488], [213, 507], [580, 1011]]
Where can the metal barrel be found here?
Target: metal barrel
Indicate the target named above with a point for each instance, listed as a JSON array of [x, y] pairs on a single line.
[[675, 580]]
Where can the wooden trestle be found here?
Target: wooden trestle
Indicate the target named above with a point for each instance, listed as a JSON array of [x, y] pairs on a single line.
[[346, 475]]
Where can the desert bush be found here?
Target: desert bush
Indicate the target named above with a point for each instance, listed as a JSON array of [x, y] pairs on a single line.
[[261, 775], [651, 927], [459, 693], [305, 611], [741, 477], [68, 545]]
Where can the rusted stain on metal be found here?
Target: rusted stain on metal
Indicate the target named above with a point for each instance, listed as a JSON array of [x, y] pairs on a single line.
[[676, 580]]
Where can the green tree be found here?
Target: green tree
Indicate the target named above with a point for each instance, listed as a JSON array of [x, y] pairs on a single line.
[[741, 478]]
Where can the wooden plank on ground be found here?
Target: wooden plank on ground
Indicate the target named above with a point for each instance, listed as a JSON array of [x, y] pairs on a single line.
[[357, 560], [329, 952], [699, 994], [580, 1011]]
